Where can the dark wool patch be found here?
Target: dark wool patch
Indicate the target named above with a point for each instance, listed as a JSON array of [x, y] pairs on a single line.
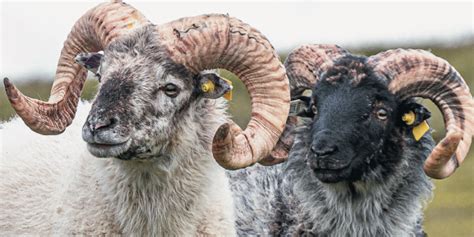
[[115, 90], [348, 68]]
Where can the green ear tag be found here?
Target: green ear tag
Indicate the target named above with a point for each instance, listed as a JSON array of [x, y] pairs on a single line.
[[420, 130]]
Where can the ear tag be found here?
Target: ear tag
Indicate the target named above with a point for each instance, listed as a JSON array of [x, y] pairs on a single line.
[[418, 130], [228, 95], [409, 118], [208, 86]]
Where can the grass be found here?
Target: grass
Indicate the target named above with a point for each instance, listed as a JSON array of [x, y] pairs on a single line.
[[450, 213]]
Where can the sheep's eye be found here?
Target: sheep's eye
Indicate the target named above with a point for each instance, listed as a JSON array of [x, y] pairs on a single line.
[[382, 114], [171, 90], [314, 109]]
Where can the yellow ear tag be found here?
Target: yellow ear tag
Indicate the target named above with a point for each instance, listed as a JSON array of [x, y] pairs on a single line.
[[419, 130], [228, 95], [409, 118], [208, 86]]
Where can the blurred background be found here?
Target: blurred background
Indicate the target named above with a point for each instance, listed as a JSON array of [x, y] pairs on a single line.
[[32, 33]]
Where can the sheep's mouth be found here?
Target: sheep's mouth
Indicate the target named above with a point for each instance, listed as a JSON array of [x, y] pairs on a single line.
[[108, 150], [330, 171], [329, 165]]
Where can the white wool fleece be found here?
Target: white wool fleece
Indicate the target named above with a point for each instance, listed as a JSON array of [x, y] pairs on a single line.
[[51, 185]]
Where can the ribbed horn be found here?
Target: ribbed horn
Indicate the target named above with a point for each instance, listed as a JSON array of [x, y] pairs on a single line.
[[417, 73], [92, 32], [219, 41], [304, 66]]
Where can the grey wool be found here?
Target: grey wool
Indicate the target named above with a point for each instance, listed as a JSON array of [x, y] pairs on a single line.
[[288, 200]]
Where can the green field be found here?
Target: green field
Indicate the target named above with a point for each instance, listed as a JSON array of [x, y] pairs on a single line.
[[450, 213]]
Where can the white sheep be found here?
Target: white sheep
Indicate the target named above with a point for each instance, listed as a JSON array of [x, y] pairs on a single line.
[[154, 120], [53, 185]]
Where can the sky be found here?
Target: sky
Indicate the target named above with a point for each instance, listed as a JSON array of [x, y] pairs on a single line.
[[32, 32]]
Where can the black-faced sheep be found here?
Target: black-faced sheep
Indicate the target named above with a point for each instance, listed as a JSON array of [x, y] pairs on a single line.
[[360, 146], [156, 113]]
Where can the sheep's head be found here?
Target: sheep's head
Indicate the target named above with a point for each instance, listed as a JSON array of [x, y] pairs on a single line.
[[150, 73], [142, 97], [363, 113], [356, 129]]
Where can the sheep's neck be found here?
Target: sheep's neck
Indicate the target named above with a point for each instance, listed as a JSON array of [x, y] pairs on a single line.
[[166, 196], [389, 209], [149, 199]]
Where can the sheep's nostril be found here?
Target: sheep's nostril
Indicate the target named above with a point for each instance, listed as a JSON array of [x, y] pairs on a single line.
[[112, 122], [323, 151], [103, 123]]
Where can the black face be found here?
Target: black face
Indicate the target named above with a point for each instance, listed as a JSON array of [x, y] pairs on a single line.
[[356, 126]]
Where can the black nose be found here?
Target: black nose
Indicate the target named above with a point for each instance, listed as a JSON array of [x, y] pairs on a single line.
[[95, 124]]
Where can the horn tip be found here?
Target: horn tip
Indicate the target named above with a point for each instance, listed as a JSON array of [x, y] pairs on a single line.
[[222, 146], [10, 89], [442, 161], [6, 82], [437, 175], [225, 134], [222, 132]]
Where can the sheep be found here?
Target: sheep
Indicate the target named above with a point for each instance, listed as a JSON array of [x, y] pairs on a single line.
[[158, 123], [360, 146]]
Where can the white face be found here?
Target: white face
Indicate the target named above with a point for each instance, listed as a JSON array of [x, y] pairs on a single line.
[[133, 114], [141, 99]]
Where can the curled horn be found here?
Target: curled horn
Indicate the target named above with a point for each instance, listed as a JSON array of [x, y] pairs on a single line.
[[198, 43], [220, 41], [304, 66], [417, 73], [92, 32]]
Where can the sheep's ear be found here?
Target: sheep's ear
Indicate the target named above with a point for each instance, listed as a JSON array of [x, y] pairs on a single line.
[[91, 61], [212, 86], [414, 117], [301, 106], [413, 114]]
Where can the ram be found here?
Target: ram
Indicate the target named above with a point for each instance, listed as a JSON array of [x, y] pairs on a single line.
[[158, 115], [360, 146]]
